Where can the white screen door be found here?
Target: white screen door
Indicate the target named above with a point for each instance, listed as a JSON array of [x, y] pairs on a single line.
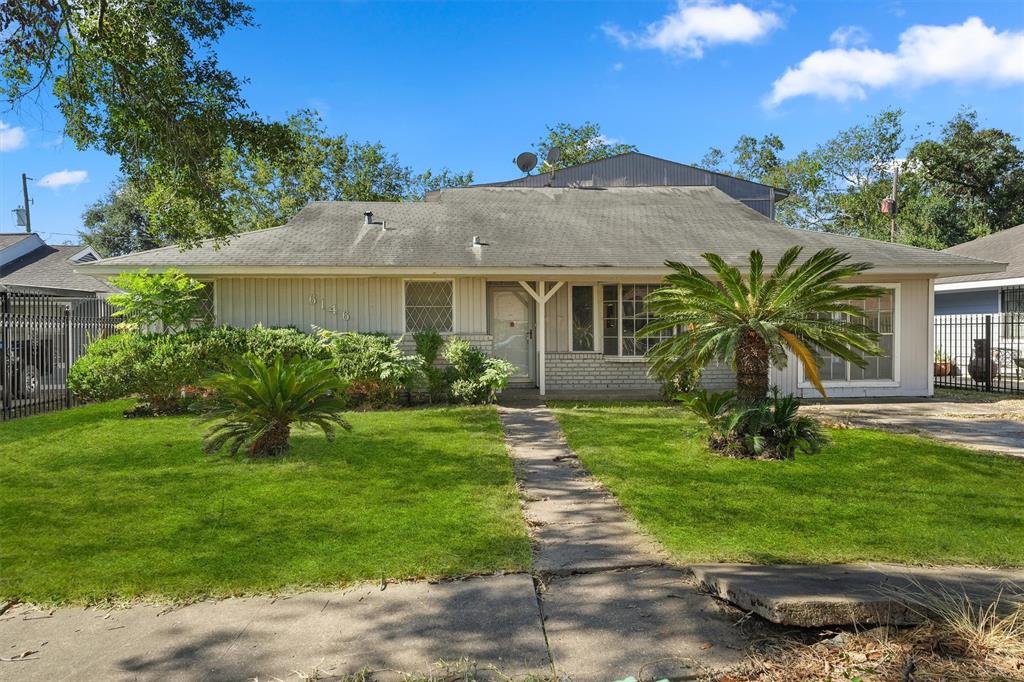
[[512, 328]]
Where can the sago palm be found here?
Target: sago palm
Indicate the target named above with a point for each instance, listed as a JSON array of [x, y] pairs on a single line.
[[258, 403], [751, 320]]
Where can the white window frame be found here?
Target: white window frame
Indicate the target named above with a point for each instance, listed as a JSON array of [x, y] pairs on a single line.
[[455, 306], [897, 338], [596, 305], [599, 323]]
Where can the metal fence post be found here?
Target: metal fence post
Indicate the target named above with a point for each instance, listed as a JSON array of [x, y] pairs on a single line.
[[67, 356], [6, 366], [988, 352]]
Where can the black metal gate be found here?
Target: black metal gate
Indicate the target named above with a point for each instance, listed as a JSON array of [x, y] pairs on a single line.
[[980, 352], [40, 337]]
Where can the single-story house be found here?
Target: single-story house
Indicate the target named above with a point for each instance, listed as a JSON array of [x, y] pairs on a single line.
[[987, 292], [29, 265], [551, 278]]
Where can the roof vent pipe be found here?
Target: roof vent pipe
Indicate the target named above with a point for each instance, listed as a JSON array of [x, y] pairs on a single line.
[[369, 217], [478, 242]]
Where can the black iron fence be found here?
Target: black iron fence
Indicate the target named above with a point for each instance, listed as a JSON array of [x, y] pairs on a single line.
[[980, 352], [40, 338]]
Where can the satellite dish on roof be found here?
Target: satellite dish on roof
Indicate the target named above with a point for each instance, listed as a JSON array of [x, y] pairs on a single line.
[[554, 155], [526, 162]]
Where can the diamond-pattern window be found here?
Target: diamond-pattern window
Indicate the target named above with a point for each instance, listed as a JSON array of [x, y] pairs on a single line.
[[205, 313], [428, 305]]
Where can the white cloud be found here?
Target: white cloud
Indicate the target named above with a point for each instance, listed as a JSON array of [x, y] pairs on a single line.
[[697, 24], [849, 36], [63, 178], [11, 137], [962, 53], [617, 66]]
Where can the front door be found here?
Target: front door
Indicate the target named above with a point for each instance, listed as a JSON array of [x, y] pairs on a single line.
[[511, 324]]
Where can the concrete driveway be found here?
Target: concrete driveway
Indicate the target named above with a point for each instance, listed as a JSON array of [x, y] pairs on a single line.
[[989, 426]]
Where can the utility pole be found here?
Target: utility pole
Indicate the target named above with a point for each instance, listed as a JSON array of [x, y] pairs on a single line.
[[895, 206], [24, 192]]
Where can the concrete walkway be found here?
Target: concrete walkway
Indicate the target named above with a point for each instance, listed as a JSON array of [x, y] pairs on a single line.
[[612, 605], [978, 426]]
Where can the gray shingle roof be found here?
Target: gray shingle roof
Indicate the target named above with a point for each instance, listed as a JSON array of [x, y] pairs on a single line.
[[531, 228], [48, 267], [1005, 246]]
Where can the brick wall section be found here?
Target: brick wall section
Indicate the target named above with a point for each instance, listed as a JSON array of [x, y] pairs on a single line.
[[484, 342], [595, 372]]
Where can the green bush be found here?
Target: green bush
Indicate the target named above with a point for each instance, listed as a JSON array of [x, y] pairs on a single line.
[[428, 347], [373, 365], [164, 369], [476, 378], [257, 403], [770, 428]]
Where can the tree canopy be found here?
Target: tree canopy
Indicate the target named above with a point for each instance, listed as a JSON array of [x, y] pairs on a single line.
[[261, 191], [141, 81], [577, 144], [956, 183]]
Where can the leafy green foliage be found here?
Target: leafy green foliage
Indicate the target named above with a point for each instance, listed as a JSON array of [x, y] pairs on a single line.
[[957, 183], [118, 223], [257, 403], [169, 299], [373, 365], [428, 346], [751, 320], [770, 429], [476, 378], [142, 81], [165, 369], [577, 144]]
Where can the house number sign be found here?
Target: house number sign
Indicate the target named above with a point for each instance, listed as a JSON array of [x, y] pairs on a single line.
[[330, 308]]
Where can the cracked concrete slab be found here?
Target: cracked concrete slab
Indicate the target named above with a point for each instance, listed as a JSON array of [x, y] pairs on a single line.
[[843, 594], [406, 627], [646, 622]]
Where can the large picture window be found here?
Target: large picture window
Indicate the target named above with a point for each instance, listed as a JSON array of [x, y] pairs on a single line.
[[428, 305], [879, 315], [624, 315]]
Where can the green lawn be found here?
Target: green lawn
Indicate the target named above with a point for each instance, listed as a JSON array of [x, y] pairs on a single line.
[[94, 506], [870, 496]]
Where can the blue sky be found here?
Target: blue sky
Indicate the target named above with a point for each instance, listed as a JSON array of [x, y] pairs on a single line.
[[469, 85]]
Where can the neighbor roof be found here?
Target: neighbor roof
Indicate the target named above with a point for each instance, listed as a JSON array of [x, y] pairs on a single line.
[[527, 229], [1004, 246], [48, 267], [9, 238]]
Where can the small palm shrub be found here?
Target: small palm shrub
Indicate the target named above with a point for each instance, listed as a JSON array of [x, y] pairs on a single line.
[[769, 429], [373, 366], [428, 347], [476, 378], [257, 403]]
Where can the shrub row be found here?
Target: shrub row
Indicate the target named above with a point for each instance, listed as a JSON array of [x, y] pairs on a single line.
[[165, 370]]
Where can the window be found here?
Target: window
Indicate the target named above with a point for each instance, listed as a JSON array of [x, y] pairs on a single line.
[[583, 318], [624, 315], [205, 311], [428, 305], [1012, 309], [880, 315]]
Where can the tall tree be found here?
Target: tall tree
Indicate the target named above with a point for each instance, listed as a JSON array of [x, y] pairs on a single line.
[[577, 144], [141, 80], [118, 223]]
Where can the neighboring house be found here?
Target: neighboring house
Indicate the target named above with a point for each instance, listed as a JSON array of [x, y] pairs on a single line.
[[634, 169], [986, 293], [29, 265], [481, 262]]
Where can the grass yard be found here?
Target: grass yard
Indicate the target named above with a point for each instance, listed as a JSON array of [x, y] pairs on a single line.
[[870, 496], [98, 507]]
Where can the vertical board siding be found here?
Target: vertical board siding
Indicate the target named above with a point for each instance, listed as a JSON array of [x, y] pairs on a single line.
[[371, 304]]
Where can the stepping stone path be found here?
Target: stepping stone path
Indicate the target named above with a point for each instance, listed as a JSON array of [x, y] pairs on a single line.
[[612, 605]]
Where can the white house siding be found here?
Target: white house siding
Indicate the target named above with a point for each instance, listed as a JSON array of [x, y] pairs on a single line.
[[363, 304]]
